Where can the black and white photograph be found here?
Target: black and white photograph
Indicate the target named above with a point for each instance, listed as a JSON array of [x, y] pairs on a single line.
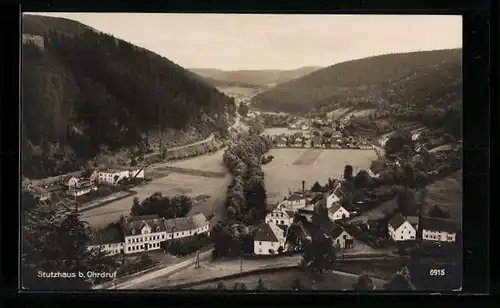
[[241, 152]]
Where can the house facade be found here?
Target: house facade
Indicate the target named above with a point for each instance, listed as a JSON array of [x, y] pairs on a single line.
[[334, 196], [268, 240], [400, 229], [439, 230], [294, 202], [338, 212], [81, 189], [145, 233], [341, 239], [113, 176], [280, 216]]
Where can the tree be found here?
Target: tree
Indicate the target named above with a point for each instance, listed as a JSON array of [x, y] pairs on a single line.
[[363, 180], [240, 286], [400, 282], [221, 286], [406, 200], [261, 286], [438, 212], [56, 240], [136, 207], [316, 187], [297, 285], [348, 172], [364, 283], [319, 255], [397, 142]]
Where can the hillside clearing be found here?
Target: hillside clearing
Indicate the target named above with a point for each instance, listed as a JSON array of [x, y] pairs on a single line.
[[292, 166]]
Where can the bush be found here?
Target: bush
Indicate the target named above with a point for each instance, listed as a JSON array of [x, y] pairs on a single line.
[[185, 246]]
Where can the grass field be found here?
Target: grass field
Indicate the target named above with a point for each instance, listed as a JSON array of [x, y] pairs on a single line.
[[283, 281], [447, 193], [292, 166], [169, 184]]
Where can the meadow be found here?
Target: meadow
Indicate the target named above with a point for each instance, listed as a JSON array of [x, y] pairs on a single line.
[[292, 166], [171, 183]]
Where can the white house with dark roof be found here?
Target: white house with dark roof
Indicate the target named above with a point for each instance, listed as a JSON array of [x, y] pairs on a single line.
[[281, 142], [341, 238], [294, 201], [187, 226], [280, 216], [334, 196], [400, 229], [439, 229], [112, 176], [268, 239], [336, 212], [143, 233]]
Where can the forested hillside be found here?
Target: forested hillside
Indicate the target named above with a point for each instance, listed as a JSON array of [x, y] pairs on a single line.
[[364, 83], [255, 77], [87, 90]]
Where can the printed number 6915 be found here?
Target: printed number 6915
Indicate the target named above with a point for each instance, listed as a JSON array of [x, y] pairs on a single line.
[[437, 272]]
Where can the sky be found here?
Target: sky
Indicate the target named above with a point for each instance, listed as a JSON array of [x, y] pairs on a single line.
[[250, 42]]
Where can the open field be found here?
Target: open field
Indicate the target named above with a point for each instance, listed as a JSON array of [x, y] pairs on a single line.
[[239, 91], [292, 166], [272, 131], [283, 280], [170, 183], [446, 193], [207, 162]]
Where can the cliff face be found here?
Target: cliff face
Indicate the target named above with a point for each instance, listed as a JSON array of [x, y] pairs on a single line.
[[84, 91]]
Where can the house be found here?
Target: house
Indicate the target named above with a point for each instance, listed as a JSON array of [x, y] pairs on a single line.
[[143, 233], [305, 127], [340, 238], [90, 175], [187, 226], [70, 181], [41, 193], [400, 229], [81, 189], [281, 142], [372, 174], [334, 196], [280, 216], [439, 229], [299, 142], [415, 137], [110, 241], [112, 176], [337, 212], [268, 239], [295, 201]]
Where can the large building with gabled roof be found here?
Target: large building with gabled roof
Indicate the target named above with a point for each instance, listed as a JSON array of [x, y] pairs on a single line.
[[145, 233]]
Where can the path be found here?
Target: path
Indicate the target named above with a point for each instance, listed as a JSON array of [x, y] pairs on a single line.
[[209, 138]]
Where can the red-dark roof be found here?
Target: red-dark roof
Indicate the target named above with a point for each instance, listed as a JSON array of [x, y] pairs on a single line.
[[265, 234], [397, 220], [439, 224]]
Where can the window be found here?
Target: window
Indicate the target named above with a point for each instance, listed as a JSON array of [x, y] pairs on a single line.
[[128, 248], [401, 237], [182, 233], [282, 222], [412, 237], [260, 243], [404, 227]]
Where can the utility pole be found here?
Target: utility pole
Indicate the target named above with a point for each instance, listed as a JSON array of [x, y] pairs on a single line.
[[197, 263]]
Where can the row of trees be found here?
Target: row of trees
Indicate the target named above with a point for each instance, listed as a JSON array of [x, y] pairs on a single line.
[[54, 249], [246, 195], [164, 206]]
